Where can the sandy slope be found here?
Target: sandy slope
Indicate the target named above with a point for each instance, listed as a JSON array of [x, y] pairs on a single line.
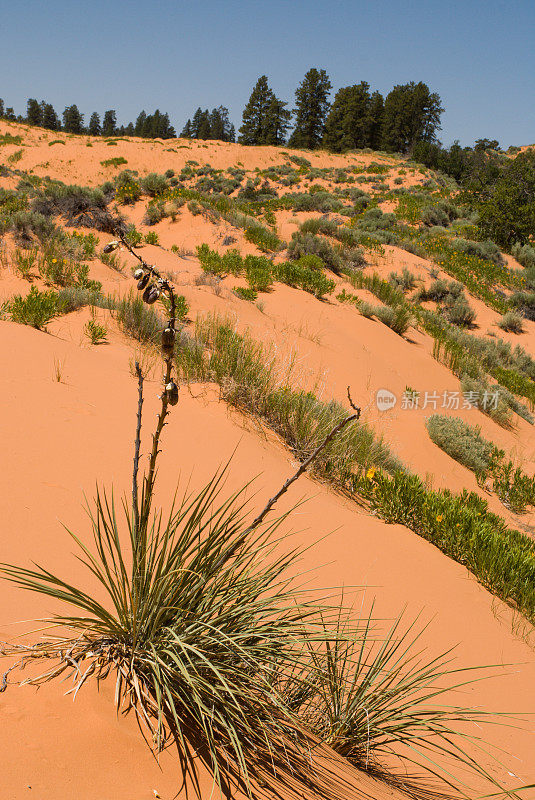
[[82, 428], [60, 437]]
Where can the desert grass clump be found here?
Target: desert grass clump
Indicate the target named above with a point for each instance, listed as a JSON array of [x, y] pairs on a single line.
[[24, 262], [405, 281], [250, 380]]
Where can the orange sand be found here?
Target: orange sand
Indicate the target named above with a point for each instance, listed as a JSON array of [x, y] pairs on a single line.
[[60, 437]]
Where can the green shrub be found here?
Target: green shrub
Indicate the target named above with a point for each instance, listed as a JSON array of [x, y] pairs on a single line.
[[258, 273], [461, 441], [485, 250], [96, 333], [246, 293], [398, 318], [434, 215], [152, 238], [293, 273], [138, 320], [35, 309], [133, 237], [515, 489], [265, 240], [460, 313], [310, 262], [195, 208], [304, 244], [511, 322], [29, 224], [405, 281], [524, 254], [154, 184], [525, 303], [440, 291], [114, 162], [127, 188], [492, 401], [8, 138], [24, 261], [211, 261]]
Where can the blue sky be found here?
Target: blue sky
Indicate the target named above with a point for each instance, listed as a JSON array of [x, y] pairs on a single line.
[[479, 56]]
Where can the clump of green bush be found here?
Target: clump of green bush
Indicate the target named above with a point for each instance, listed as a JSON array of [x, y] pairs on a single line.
[[451, 297], [36, 309], [154, 184], [511, 322], [114, 162], [461, 441], [264, 239], [246, 293], [405, 281], [261, 272]]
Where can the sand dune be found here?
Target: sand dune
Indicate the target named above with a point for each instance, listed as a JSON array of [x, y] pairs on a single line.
[[59, 437]]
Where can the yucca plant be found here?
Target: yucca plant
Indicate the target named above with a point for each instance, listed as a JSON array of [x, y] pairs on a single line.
[[193, 627], [376, 700]]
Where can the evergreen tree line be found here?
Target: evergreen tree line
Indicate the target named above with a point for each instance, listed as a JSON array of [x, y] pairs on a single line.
[[357, 118], [213, 124], [410, 113], [43, 115]]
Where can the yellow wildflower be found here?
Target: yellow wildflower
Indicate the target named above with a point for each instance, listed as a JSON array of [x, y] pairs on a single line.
[[439, 518], [370, 473]]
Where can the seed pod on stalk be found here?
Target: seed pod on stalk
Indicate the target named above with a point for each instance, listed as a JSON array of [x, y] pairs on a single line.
[[171, 391], [151, 294], [143, 282]]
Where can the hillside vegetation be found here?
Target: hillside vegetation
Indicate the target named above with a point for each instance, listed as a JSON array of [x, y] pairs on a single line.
[[297, 273]]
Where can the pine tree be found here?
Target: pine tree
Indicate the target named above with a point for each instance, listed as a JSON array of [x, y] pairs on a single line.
[[94, 125], [311, 108], [130, 130], [109, 123], [200, 125], [10, 114], [50, 118], [377, 106], [73, 120], [231, 133], [140, 124], [166, 129], [277, 122], [186, 131], [34, 114], [411, 114], [349, 121], [2, 110], [219, 124], [256, 114]]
